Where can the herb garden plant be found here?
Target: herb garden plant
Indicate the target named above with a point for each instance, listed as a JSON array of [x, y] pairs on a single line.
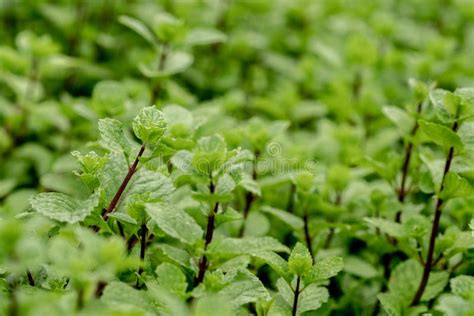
[[237, 158]]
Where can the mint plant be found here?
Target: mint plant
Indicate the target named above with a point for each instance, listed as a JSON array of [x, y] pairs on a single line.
[[236, 158]]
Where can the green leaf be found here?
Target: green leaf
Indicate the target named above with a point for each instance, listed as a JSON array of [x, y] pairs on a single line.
[[112, 135], [275, 261], [209, 154], [123, 218], [176, 255], [125, 297], [402, 120], [437, 99], [244, 288], [463, 285], [453, 305], [213, 305], [406, 277], [359, 267], [390, 303], [140, 28], [250, 185], [312, 298], [291, 220], [440, 135], [285, 291], [171, 278], [154, 184], [225, 185], [325, 269], [247, 246], [386, 226], [63, 208], [149, 125], [203, 36], [109, 97], [455, 187], [175, 222], [175, 63], [300, 260]]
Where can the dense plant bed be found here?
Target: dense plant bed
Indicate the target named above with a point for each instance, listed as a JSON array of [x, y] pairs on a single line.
[[287, 157]]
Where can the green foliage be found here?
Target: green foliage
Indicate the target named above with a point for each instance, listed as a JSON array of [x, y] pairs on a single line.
[[270, 157], [149, 125]]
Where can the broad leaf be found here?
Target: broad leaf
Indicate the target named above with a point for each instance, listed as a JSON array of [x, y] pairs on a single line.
[[441, 135], [175, 222], [63, 208]]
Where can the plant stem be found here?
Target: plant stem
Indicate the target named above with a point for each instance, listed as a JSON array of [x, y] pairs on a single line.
[[295, 298], [75, 38], [330, 236], [307, 236], [249, 198], [99, 290], [434, 230], [31, 280], [123, 185], [291, 199], [157, 87], [80, 298], [209, 234], [143, 237], [13, 307], [406, 164]]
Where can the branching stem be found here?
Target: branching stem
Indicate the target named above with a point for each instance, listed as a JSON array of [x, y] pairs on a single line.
[[406, 165], [124, 184], [434, 229]]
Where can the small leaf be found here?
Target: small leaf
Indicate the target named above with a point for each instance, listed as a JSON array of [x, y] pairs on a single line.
[[149, 125], [250, 185], [63, 208], [171, 278], [155, 184], [291, 220], [455, 187], [140, 28], [123, 217], [175, 63], [440, 135], [325, 269], [463, 285], [109, 97], [312, 297], [247, 246], [244, 288], [300, 260], [389, 227], [225, 185], [391, 303], [113, 138], [285, 291], [175, 222], [359, 267], [274, 260], [205, 37], [123, 296], [400, 118]]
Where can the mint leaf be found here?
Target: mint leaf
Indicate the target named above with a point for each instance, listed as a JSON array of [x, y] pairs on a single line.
[[149, 125], [300, 260], [440, 135], [113, 137], [175, 222], [63, 208]]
